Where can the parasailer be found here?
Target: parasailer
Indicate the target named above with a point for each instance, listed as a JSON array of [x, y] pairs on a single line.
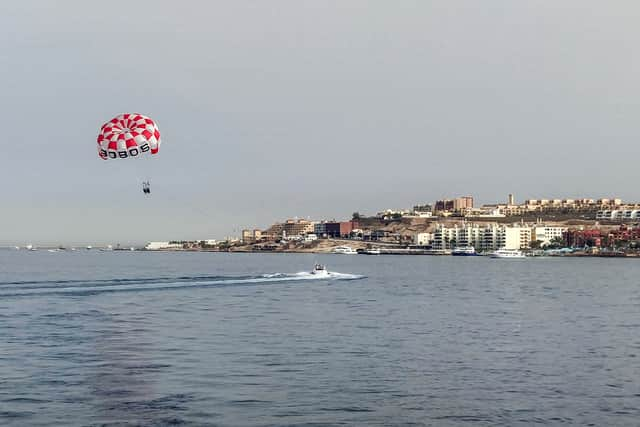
[[129, 135]]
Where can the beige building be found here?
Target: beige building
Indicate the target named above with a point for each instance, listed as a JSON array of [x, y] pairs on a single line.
[[460, 204], [297, 227], [290, 228], [251, 236]]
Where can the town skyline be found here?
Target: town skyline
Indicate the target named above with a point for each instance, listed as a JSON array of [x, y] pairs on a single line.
[[567, 227], [510, 206]]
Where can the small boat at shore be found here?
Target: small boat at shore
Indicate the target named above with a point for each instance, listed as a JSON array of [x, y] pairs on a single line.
[[464, 251], [507, 253], [344, 250], [373, 251]]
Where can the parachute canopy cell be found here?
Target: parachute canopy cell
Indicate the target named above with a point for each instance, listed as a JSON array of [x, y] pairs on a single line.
[[128, 135]]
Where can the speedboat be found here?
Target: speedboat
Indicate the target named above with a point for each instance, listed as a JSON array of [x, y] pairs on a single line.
[[319, 270], [344, 250], [508, 253], [464, 251]]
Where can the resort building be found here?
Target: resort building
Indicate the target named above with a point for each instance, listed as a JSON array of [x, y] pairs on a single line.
[[422, 239], [298, 227], [545, 234], [460, 204], [157, 246], [532, 206], [251, 236], [482, 237], [618, 214], [515, 237], [290, 228]]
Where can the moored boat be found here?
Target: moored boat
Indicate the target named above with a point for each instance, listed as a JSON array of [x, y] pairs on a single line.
[[374, 251], [507, 253], [464, 251], [344, 250]]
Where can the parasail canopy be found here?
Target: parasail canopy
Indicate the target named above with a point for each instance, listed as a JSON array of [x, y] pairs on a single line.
[[128, 135]]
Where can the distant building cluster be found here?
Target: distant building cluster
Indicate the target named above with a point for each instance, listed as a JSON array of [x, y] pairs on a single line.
[[460, 204], [598, 238], [443, 236], [183, 244], [302, 229], [455, 222], [533, 206], [604, 208], [618, 214]]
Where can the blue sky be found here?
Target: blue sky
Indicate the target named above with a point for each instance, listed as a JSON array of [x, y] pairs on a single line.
[[300, 108]]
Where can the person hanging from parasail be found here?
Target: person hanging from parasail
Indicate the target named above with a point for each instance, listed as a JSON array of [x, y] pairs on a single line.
[[129, 135]]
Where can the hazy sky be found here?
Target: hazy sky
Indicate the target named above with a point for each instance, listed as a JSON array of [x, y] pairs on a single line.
[[272, 109]]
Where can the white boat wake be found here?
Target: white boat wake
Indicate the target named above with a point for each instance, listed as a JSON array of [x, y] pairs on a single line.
[[24, 288]]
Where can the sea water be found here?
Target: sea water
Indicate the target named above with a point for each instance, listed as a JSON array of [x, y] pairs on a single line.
[[143, 338]]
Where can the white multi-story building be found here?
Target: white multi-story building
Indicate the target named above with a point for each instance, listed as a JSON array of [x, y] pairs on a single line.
[[443, 237], [514, 237], [156, 246], [483, 238], [422, 239], [310, 237], [420, 214], [618, 214], [469, 235], [545, 234]]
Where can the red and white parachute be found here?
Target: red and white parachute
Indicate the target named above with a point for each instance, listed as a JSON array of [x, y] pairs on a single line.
[[128, 135]]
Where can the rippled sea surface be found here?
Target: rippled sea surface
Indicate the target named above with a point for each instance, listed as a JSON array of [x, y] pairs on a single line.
[[135, 338]]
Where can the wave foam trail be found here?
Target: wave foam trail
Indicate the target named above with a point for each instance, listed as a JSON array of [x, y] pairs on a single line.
[[24, 288]]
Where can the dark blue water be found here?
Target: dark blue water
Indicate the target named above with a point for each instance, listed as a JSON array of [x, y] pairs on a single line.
[[131, 338]]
